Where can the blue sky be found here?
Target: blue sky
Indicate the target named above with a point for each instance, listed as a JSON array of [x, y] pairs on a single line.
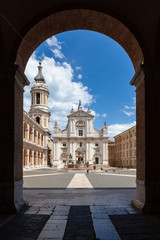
[[86, 66]]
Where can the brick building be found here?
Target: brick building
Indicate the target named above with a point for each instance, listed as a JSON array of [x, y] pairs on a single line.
[[125, 148]]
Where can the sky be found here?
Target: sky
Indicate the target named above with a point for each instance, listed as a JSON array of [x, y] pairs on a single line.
[[87, 66]]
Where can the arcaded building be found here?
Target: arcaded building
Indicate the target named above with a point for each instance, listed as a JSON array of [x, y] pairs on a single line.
[[80, 143], [36, 133], [125, 148]]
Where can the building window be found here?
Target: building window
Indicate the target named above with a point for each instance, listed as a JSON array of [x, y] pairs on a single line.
[[96, 144], [127, 145], [80, 144], [38, 120], [130, 153], [130, 135], [38, 98], [64, 144], [127, 136], [80, 132], [123, 147], [130, 145]]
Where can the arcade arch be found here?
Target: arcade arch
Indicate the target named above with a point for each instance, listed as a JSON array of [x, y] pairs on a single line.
[[145, 80]]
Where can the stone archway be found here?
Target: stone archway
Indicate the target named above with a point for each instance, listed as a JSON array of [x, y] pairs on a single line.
[[146, 81], [79, 19]]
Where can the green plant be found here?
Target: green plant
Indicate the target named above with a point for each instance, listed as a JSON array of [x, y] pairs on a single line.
[[128, 166]]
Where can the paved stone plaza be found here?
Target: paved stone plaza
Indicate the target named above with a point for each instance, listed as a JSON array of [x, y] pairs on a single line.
[[76, 205]]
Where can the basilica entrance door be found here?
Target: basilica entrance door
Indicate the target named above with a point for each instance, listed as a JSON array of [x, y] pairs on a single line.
[[97, 160], [80, 159]]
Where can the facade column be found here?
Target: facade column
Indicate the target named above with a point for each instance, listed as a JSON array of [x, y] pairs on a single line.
[[89, 151], [11, 104], [27, 132], [39, 160], [105, 153], [54, 150], [36, 158], [42, 159], [32, 158], [33, 135], [34, 98], [71, 149], [86, 152], [147, 82], [26, 158]]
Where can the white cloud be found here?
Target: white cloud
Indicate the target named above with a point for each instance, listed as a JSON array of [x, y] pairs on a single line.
[[57, 53], [55, 46], [53, 42], [64, 92], [134, 100], [104, 115], [78, 68], [115, 129], [132, 107], [129, 114], [79, 76]]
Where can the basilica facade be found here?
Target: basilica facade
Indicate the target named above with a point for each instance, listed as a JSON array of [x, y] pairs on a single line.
[[80, 143]]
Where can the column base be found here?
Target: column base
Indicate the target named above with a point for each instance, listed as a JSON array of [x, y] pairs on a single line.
[[12, 200], [144, 205], [105, 162]]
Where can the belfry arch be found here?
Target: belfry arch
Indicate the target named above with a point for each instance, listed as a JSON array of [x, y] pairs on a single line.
[[124, 30]]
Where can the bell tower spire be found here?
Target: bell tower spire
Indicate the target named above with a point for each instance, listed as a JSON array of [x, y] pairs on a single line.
[[39, 109], [39, 77]]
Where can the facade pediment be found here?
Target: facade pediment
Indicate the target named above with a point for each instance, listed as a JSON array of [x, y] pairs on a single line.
[[80, 114]]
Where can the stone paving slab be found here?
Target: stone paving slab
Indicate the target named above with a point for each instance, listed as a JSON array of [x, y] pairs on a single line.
[[137, 226], [55, 227], [79, 225], [23, 226], [104, 229]]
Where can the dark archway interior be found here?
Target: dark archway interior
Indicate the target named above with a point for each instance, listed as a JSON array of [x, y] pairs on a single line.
[[134, 25]]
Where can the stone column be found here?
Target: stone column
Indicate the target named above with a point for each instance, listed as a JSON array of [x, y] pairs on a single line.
[[89, 151], [27, 132], [36, 159], [147, 82], [106, 154], [41, 98], [34, 98], [12, 81], [26, 158], [54, 150], [86, 152], [32, 158], [42, 159]]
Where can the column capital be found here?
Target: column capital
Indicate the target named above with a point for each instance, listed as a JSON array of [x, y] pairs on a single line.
[[13, 72], [138, 77]]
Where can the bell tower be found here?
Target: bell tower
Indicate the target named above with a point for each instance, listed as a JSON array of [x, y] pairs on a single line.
[[39, 109]]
